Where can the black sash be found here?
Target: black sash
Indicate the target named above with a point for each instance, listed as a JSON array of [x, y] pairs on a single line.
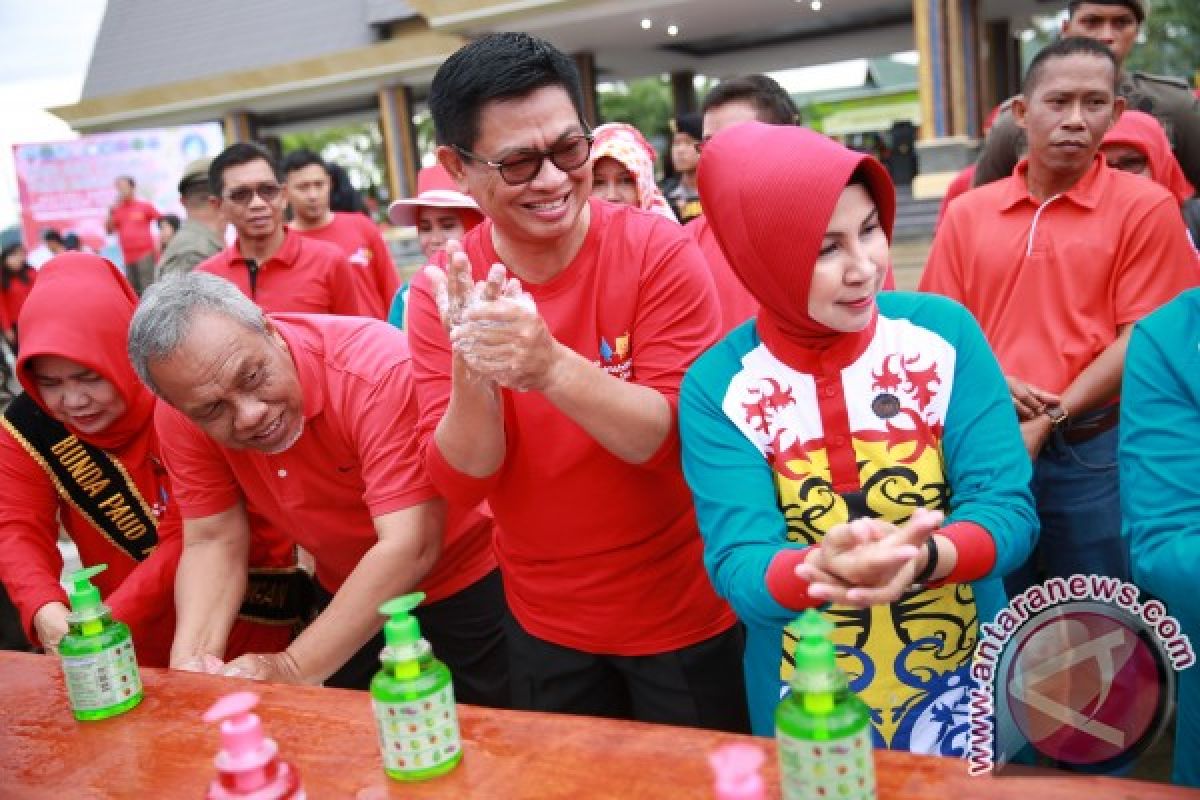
[[91, 480], [97, 486]]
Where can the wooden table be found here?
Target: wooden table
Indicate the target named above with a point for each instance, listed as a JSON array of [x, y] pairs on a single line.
[[161, 749]]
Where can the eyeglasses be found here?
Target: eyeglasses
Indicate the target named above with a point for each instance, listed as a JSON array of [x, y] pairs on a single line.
[[244, 195], [523, 166]]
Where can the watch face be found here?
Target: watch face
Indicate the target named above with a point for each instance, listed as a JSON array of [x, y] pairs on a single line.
[[1056, 414]]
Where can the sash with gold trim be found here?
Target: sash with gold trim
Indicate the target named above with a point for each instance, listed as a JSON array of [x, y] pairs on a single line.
[[97, 486]]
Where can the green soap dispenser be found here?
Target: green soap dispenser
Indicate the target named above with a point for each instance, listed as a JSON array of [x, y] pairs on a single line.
[[413, 700], [823, 730], [97, 654]]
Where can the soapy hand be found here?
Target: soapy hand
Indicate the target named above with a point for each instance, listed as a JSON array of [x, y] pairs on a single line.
[[270, 667], [50, 625], [502, 337], [868, 562], [206, 663]]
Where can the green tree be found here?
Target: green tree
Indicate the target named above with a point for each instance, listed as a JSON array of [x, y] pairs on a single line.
[[644, 103], [358, 147], [1171, 43]]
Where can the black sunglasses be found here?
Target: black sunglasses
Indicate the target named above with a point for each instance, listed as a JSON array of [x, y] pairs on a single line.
[[244, 195], [523, 166]]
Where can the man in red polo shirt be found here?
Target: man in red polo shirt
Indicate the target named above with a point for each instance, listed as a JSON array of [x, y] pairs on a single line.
[[306, 424], [307, 183], [276, 267], [131, 219], [1057, 262], [563, 416]]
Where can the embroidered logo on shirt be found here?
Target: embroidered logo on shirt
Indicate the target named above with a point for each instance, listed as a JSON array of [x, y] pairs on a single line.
[[616, 359], [361, 257]]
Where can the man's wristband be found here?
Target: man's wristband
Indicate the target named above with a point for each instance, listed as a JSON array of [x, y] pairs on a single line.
[[931, 563]]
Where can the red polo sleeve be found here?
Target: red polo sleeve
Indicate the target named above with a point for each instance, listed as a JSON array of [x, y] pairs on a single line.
[[30, 562], [1156, 263], [201, 478], [943, 270], [345, 296], [383, 426]]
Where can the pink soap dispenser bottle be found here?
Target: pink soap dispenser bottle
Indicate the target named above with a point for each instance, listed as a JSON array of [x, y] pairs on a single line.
[[248, 766], [736, 772]]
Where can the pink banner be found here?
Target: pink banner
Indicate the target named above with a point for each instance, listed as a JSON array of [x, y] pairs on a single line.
[[68, 186]]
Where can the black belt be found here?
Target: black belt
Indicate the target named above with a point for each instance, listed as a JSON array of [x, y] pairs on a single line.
[[277, 596], [1091, 426]]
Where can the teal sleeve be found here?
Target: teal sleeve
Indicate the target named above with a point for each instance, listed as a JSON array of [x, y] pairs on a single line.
[[986, 462], [736, 505], [396, 315], [1159, 459]]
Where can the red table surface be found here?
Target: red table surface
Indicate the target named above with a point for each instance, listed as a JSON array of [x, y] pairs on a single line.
[[162, 749]]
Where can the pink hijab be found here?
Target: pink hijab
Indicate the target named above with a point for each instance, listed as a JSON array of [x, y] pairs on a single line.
[[626, 144]]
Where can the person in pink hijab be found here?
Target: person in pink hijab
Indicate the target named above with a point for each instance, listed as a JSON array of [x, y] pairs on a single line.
[[1137, 143], [623, 169]]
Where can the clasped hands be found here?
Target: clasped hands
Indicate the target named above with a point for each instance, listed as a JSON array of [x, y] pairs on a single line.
[[271, 667], [869, 562], [493, 325]]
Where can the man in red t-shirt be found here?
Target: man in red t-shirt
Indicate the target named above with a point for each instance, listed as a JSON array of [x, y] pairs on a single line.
[[1057, 262], [131, 219], [274, 266], [563, 416], [306, 424], [307, 183]]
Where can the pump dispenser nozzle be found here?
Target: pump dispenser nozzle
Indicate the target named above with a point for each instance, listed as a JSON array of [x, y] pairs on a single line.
[[402, 627], [245, 751], [83, 594]]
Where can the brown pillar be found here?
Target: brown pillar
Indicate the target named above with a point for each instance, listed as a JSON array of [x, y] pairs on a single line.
[[399, 140], [239, 127], [586, 64]]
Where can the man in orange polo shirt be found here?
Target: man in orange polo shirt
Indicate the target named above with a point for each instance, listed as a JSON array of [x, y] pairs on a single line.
[[274, 266], [307, 182], [305, 423], [1057, 262]]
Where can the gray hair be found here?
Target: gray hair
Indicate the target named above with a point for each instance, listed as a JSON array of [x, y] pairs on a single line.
[[168, 307]]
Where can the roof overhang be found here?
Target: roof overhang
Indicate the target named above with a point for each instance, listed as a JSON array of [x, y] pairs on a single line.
[[412, 55]]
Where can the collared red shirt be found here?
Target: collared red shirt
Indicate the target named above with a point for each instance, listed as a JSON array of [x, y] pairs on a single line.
[[1052, 282], [304, 276], [370, 261], [358, 458]]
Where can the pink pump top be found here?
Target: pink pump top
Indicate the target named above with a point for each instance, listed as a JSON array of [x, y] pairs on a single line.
[[247, 765], [736, 768]]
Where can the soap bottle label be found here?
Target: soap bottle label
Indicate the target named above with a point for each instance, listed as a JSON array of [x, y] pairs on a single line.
[[100, 680], [418, 734], [840, 769]]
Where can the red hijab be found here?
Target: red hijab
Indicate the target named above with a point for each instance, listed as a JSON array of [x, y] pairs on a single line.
[[1143, 133], [769, 192], [80, 309]]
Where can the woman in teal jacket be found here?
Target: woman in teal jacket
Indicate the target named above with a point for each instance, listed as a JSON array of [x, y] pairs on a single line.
[[1159, 460], [818, 438]]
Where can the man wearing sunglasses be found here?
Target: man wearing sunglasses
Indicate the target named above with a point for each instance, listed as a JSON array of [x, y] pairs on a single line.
[[561, 411], [275, 267]]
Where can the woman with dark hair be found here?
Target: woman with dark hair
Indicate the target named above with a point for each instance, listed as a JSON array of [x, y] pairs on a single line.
[[16, 281], [342, 194], [848, 451]]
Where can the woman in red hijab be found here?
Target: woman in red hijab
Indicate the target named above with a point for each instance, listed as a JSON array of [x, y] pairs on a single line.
[[1137, 143], [848, 450], [78, 448]]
